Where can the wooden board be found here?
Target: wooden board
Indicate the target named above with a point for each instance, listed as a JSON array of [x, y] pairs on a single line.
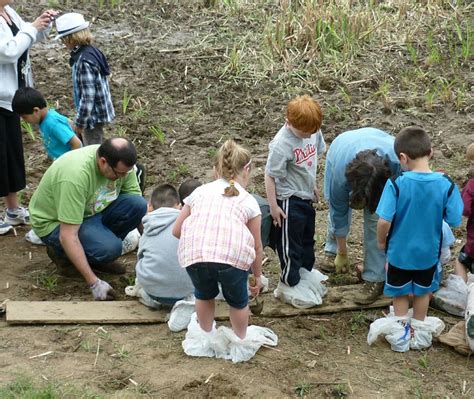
[[338, 299], [93, 312]]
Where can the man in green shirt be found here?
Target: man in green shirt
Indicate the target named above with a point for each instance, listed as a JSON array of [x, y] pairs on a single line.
[[86, 203]]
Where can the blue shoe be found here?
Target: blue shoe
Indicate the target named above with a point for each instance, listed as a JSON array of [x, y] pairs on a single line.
[[4, 227], [17, 216]]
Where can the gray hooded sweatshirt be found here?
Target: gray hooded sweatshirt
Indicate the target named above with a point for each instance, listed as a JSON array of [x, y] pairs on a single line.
[[158, 270]]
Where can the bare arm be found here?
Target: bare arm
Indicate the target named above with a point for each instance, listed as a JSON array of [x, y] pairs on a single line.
[[270, 188], [383, 226], [69, 238], [75, 143], [185, 212], [341, 245], [254, 225]]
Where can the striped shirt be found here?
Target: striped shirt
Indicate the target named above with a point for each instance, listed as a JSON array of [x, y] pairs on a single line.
[[216, 229]]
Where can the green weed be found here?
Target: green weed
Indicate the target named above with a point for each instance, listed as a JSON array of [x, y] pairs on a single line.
[[25, 388], [28, 129], [303, 389], [125, 101], [158, 133], [423, 360], [48, 281]]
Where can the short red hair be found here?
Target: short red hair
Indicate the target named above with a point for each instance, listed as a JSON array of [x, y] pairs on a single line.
[[304, 113], [470, 152]]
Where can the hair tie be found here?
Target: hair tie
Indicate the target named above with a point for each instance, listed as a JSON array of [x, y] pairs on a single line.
[[232, 182]]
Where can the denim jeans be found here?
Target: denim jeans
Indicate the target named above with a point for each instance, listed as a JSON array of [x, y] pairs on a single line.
[[206, 275], [101, 235], [374, 258]]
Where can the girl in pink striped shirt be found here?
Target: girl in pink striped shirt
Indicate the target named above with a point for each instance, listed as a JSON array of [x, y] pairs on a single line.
[[219, 231]]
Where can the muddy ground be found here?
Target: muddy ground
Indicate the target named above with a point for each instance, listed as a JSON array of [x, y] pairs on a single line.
[[185, 78]]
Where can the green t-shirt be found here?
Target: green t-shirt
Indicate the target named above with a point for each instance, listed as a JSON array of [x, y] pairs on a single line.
[[73, 189]]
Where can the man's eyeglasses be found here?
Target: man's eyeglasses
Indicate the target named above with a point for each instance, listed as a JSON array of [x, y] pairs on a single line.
[[119, 175]]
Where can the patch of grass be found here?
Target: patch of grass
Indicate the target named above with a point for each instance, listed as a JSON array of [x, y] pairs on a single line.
[[48, 281], [25, 388], [158, 133], [122, 353], [358, 320], [28, 129], [212, 152], [423, 360], [125, 101], [303, 389]]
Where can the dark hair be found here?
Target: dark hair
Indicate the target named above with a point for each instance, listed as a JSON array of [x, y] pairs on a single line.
[[367, 174], [164, 195], [414, 142], [27, 98], [118, 149], [187, 187]]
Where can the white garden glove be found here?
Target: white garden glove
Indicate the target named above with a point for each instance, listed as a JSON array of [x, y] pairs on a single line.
[[102, 291]]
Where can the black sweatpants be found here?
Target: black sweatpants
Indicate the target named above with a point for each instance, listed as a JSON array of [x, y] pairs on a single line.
[[295, 239], [12, 163]]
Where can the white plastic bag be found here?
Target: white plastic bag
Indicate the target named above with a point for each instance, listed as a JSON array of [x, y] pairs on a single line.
[[396, 330], [404, 333], [424, 331], [469, 317], [138, 291], [452, 298], [307, 293], [180, 314], [130, 242], [231, 347], [197, 342], [265, 285]]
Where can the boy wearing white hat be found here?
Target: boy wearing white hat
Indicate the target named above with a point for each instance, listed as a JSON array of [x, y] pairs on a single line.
[[89, 78]]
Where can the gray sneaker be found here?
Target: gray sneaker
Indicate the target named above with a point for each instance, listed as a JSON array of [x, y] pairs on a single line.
[[17, 216], [4, 227], [369, 293]]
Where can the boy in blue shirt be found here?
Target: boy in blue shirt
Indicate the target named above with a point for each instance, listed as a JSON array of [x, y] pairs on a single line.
[[56, 132], [411, 210]]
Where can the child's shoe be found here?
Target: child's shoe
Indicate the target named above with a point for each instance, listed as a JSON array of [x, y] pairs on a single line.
[[138, 291], [181, 313], [396, 330], [4, 227], [130, 242], [300, 296], [17, 216]]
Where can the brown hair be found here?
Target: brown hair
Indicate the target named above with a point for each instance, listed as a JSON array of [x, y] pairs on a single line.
[[367, 174], [414, 142], [304, 113], [81, 38], [231, 159], [470, 152]]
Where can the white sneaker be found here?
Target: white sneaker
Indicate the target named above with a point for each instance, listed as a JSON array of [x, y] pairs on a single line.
[[181, 313], [4, 227], [17, 216], [130, 242], [33, 238]]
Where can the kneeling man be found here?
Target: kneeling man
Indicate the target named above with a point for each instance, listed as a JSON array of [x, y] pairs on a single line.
[[85, 205]]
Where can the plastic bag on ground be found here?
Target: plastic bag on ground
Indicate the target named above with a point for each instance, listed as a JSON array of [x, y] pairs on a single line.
[[180, 315], [198, 342], [265, 284], [307, 293], [452, 298], [130, 242], [469, 317], [138, 291], [229, 346]]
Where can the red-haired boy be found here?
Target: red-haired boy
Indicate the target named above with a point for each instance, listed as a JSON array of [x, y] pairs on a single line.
[[290, 183]]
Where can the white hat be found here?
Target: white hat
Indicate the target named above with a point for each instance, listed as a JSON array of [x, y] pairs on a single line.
[[70, 23]]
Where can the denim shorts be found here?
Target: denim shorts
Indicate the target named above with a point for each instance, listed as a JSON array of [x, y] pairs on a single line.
[[206, 275]]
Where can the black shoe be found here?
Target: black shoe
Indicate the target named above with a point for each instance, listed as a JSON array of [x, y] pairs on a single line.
[[59, 261], [141, 176]]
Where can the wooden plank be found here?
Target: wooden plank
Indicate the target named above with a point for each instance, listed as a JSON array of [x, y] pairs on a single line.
[[338, 299], [93, 312]]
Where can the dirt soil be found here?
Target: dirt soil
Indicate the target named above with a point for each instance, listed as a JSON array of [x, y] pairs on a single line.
[[187, 93]]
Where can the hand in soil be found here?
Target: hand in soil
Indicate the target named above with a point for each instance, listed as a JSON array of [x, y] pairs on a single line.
[[102, 291]]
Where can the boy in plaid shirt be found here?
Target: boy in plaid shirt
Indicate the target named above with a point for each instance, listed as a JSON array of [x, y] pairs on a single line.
[[89, 77]]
